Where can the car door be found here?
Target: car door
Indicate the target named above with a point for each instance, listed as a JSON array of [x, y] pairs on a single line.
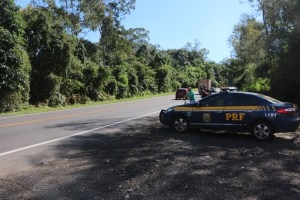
[[239, 111], [208, 113]]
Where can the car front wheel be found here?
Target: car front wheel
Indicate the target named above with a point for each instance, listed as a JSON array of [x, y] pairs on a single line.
[[180, 124], [262, 130]]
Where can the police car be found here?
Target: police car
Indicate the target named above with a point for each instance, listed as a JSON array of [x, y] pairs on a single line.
[[234, 111]]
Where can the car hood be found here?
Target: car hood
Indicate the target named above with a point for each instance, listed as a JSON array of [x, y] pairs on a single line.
[[183, 105]]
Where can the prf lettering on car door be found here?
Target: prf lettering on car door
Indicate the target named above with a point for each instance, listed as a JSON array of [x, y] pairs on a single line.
[[235, 116]]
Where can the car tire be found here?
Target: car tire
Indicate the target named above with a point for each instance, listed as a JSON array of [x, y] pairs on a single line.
[[161, 116], [180, 124], [262, 130]]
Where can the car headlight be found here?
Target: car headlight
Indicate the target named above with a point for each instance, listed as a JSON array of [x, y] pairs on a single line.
[[169, 110]]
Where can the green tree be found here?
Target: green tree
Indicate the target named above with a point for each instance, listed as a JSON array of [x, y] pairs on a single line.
[[147, 54], [248, 41], [92, 81], [49, 53], [138, 37], [181, 57], [14, 63], [281, 25], [196, 55], [115, 47], [95, 11], [82, 16], [164, 78], [232, 69], [145, 76]]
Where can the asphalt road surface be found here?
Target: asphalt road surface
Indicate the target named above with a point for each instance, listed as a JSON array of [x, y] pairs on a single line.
[[28, 140]]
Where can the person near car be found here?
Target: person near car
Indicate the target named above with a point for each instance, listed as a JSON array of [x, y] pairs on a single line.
[[205, 92], [190, 96]]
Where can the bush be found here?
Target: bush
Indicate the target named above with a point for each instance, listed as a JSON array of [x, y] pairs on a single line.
[[9, 102], [78, 99], [105, 97], [56, 99]]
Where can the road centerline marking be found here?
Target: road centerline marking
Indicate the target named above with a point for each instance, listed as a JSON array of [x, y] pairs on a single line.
[[57, 117], [50, 118]]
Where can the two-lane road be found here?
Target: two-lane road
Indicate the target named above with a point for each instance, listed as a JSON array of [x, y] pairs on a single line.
[[31, 139]]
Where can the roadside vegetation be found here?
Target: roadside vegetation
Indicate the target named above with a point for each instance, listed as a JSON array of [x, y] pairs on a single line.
[[28, 109], [47, 62]]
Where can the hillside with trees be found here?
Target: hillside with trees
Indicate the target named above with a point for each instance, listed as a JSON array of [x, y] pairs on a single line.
[[45, 58]]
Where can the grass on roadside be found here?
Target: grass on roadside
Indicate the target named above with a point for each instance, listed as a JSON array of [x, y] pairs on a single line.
[[27, 109]]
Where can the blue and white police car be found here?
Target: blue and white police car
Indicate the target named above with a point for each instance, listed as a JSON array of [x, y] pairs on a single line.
[[234, 111]]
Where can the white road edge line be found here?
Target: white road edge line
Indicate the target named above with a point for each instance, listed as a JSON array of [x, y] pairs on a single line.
[[80, 133]]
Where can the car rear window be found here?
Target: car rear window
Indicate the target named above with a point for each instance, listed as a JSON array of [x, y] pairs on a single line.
[[271, 99]]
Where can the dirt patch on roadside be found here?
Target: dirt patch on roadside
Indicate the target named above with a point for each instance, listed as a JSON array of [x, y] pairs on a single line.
[[148, 161]]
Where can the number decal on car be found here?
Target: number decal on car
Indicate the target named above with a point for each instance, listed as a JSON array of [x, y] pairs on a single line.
[[270, 115]]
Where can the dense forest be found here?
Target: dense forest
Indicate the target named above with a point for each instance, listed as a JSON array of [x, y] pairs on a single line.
[[45, 58]]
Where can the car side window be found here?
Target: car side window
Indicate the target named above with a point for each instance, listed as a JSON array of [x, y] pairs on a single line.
[[242, 100], [215, 100]]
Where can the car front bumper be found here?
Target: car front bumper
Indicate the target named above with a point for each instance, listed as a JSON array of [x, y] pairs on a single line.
[[165, 117], [161, 116]]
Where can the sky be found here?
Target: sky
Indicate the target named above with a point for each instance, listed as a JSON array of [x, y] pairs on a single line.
[[174, 23]]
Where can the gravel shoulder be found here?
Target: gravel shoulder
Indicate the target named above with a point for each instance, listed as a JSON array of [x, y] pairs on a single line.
[[144, 160]]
